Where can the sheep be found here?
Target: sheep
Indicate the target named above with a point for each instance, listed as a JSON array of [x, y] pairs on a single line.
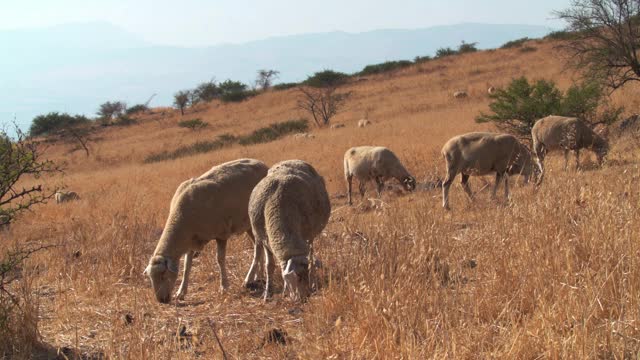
[[491, 90], [479, 153], [337, 126], [288, 209], [65, 196], [566, 133], [460, 94], [363, 122], [212, 206], [375, 163]]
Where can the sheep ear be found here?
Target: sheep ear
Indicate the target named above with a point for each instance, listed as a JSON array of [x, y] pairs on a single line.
[[171, 266]]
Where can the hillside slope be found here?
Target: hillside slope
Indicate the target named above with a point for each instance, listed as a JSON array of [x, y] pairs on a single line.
[[553, 273]]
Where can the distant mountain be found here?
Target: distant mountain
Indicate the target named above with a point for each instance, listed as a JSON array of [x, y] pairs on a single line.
[[74, 68]]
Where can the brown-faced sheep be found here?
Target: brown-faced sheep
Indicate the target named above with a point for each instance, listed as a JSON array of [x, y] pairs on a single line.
[[480, 154], [374, 163], [212, 206], [363, 123], [288, 209], [565, 133], [65, 196]]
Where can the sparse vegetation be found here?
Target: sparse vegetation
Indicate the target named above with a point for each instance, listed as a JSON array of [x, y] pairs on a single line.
[[234, 91], [421, 59], [136, 109], [265, 78], [326, 78], [181, 100], [465, 48], [206, 91], [285, 86], [385, 67], [112, 110], [193, 124], [262, 135], [515, 43], [321, 103], [54, 122], [443, 52]]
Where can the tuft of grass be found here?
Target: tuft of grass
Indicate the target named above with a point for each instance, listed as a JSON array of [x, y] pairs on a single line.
[[514, 43], [193, 124], [385, 67], [274, 131]]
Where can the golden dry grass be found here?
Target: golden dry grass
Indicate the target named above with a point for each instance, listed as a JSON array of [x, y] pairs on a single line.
[[553, 274]]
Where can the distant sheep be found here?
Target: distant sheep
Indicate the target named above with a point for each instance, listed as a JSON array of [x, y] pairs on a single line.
[[491, 90], [565, 133], [460, 94], [304, 136], [374, 163], [288, 209], [65, 196], [363, 123], [337, 126], [212, 206], [480, 154]]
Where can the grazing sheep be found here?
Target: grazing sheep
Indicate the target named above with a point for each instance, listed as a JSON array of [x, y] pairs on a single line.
[[337, 126], [460, 94], [566, 133], [288, 209], [491, 90], [480, 153], [363, 122], [375, 163], [65, 196], [212, 206]]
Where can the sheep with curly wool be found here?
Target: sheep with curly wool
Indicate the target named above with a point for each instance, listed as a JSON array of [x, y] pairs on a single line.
[[374, 163], [66, 196], [288, 209], [479, 154], [212, 206]]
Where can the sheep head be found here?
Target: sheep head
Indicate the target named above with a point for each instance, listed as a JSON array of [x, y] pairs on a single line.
[[163, 272], [409, 183], [295, 273]]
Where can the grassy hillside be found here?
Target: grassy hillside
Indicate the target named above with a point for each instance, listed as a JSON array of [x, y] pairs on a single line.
[[555, 273]]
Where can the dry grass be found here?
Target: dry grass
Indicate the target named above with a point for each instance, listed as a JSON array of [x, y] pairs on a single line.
[[553, 274]]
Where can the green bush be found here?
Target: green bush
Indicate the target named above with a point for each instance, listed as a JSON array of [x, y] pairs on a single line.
[[137, 109], [560, 35], [54, 121], [326, 78], [274, 131], [206, 91], [467, 48], [193, 124], [123, 120], [284, 86], [516, 108], [514, 43], [384, 67], [262, 135], [421, 59], [442, 52], [234, 91]]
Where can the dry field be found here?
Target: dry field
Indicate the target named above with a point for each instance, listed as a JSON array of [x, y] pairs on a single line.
[[552, 274]]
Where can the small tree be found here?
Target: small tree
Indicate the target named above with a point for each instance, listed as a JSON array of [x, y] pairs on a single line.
[[207, 91], [604, 40], [139, 108], [321, 103], [467, 47], [53, 122], [20, 158], [326, 78], [234, 91], [266, 78], [181, 100], [516, 108], [111, 110]]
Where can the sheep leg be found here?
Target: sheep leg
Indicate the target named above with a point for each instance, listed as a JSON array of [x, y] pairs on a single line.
[[495, 187], [380, 185], [577, 159], [349, 181], [566, 159], [506, 186], [260, 258], [362, 188], [445, 190], [271, 266], [466, 187], [221, 254], [184, 285], [256, 265]]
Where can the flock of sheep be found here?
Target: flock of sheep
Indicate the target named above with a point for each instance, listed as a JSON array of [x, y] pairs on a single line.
[[283, 208]]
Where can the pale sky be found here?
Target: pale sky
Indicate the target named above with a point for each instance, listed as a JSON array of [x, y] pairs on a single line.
[[202, 22]]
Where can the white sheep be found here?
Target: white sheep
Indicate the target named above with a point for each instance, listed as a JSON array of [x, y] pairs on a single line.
[[65, 196], [565, 133], [363, 123], [212, 206], [480, 154], [288, 209], [374, 163], [460, 94]]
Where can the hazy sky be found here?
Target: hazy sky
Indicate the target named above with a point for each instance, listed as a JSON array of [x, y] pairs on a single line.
[[209, 22]]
